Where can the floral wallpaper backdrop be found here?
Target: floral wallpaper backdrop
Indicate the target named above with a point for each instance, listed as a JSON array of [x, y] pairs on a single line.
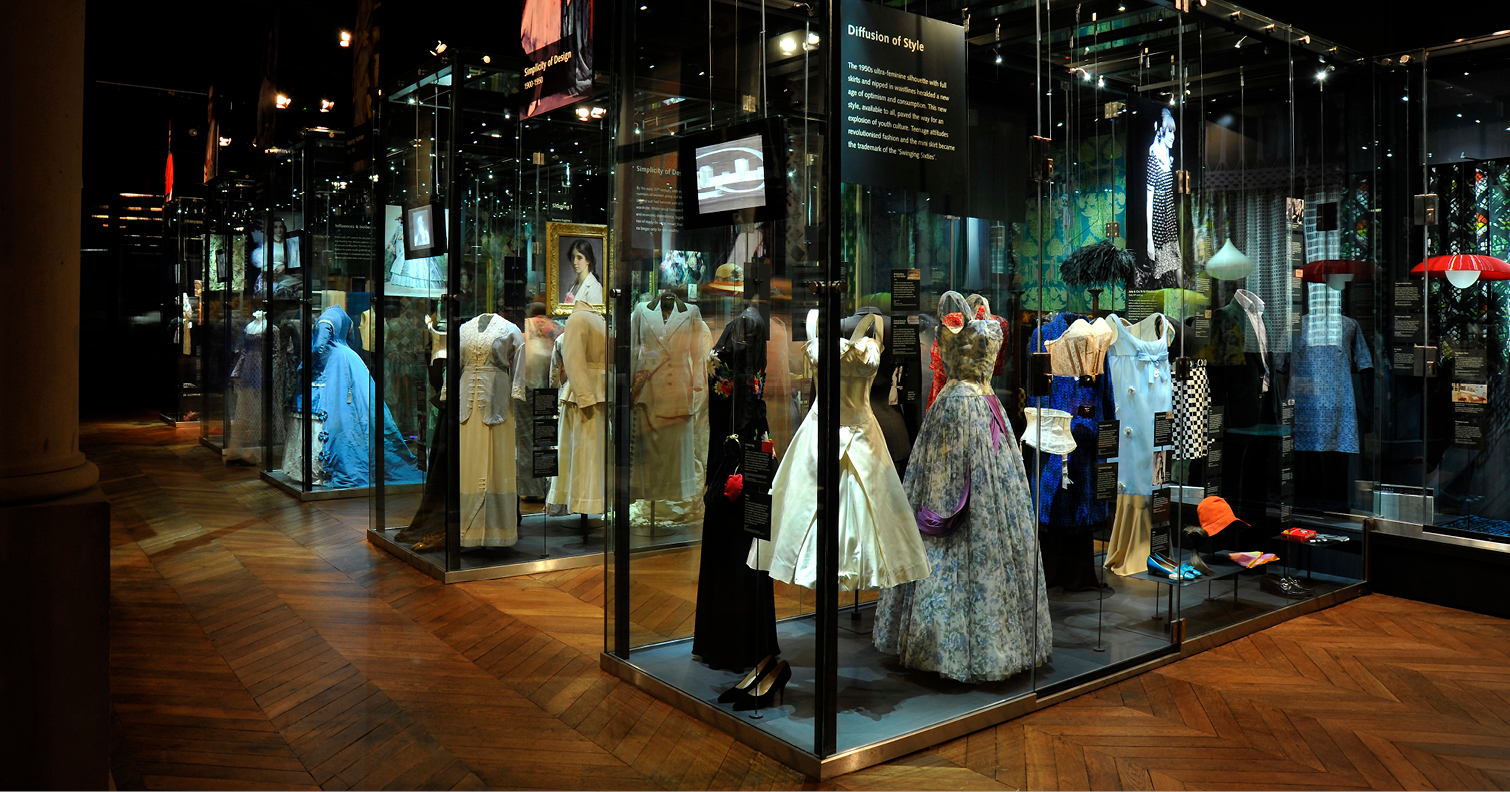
[[1089, 191]]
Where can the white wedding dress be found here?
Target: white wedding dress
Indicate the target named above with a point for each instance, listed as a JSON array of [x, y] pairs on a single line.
[[879, 544]]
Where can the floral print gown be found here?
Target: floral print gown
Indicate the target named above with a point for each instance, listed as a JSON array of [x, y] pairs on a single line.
[[983, 614]]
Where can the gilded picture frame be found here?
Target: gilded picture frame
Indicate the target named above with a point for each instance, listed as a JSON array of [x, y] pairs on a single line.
[[568, 248]]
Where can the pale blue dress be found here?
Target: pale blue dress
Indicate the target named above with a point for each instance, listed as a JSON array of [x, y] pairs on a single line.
[[1139, 365], [983, 615]]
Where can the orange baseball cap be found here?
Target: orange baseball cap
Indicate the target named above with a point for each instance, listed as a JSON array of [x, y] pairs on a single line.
[[1215, 515]]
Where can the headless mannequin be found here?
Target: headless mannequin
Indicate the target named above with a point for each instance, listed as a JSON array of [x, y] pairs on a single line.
[[894, 425]]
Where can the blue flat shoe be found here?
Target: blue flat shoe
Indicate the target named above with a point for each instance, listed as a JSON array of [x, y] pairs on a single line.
[[1163, 567]]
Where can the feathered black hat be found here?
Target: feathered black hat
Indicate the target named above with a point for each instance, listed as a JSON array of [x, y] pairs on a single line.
[[1101, 264]]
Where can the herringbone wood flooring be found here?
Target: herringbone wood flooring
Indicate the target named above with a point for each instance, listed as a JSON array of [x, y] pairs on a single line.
[[260, 642]]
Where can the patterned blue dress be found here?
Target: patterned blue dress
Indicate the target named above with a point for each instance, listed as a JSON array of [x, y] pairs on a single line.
[[983, 615]]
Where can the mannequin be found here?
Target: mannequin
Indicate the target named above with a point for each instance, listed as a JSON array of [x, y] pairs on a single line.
[[492, 359], [580, 370], [736, 614], [669, 343], [540, 333], [893, 424], [247, 380]]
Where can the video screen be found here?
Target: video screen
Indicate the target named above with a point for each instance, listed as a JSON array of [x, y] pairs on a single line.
[[731, 175], [421, 241]]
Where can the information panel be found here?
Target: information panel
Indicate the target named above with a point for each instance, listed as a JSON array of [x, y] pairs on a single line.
[[903, 81]]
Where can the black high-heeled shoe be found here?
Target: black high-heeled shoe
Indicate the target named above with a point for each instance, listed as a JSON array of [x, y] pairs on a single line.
[[761, 670], [762, 694]]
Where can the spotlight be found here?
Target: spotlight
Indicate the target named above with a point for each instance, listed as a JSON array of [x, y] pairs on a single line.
[[440, 47], [326, 105], [282, 101], [788, 45], [583, 113], [345, 38]]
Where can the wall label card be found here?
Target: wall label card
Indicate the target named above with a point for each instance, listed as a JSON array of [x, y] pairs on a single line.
[[1158, 507], [1158, 542], [906, 291], [544, 457], [1106, 481], [1409, 305], [1214, 459], [1402, 360], [907, 357], [1162, 429], [1287, 449], [1215, 417], [1470, 365], [1213, 487], [757, 465], [1470, 414], [1107, 434]]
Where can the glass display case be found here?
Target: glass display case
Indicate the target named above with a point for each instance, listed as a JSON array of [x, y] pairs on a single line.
[[1000, 356], [495, 259], [314, 254], [183, 285], [1444, 529], [233, 326]]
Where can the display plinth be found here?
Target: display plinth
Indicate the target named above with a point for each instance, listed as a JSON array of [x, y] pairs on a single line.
[[546, 544], [292, 489]]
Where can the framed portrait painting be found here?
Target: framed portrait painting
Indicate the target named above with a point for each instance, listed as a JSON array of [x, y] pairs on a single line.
[[577, 266]]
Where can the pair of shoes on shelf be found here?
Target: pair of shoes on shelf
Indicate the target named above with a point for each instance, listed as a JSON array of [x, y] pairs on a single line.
[[1173, 570], [1286, 587], [760, 687]]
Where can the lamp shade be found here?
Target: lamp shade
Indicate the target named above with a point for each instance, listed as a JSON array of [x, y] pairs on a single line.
[[1464, 270], [1336, 273], [1229, 264]]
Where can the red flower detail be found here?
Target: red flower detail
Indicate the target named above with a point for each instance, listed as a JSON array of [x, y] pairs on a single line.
[[734, 486]]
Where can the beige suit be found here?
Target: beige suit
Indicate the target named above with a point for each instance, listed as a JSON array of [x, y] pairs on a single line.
[[582, 377], [668, 389]]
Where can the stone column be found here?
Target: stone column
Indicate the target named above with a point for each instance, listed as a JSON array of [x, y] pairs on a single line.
[[54, 522]]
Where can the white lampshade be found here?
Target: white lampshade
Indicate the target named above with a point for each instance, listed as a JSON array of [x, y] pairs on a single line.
[[1336, 280], [1229, 264], [1462, 278]]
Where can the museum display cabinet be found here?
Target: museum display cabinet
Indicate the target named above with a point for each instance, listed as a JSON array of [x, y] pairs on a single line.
[[1443, 533], [495, 259], [315, 252], [911, 372], [183, 284], [1040, 350], [234, 323]]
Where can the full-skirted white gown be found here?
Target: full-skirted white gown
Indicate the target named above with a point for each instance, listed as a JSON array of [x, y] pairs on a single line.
[[879, 544]]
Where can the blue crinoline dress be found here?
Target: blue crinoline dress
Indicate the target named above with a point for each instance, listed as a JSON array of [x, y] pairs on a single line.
[[342, 399], [983, 614]]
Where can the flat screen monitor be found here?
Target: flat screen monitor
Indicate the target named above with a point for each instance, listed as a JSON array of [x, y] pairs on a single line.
[[732, 175], [423, 236]]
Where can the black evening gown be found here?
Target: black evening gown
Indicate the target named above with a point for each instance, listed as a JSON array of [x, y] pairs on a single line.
[[736, 610]]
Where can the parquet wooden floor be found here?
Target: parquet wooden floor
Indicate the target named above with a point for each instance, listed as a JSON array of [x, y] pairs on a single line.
[[262, 643]]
